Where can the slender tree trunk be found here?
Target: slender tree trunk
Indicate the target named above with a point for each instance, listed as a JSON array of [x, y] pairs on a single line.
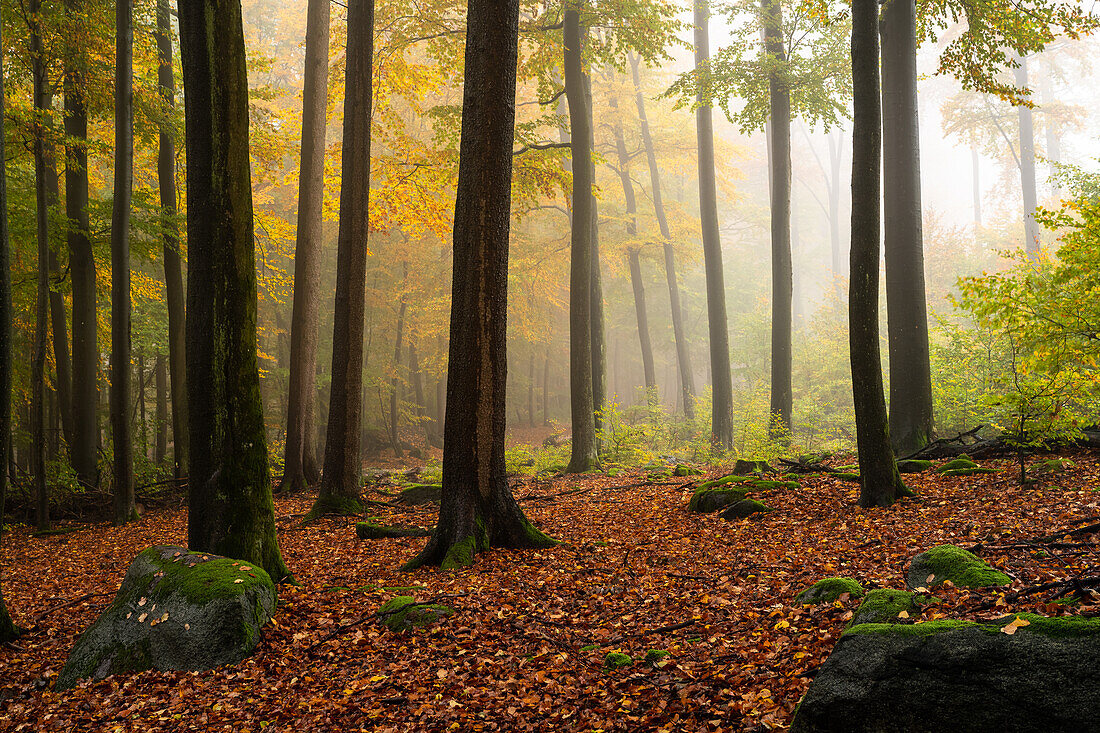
[[599, 326], [300, 465], [779, 100], [546, 391], [683, 358], [121, 368], [173, 266], [531, 390], [477, 510], [582, 399], [906, 303], [38, 361], [395, 382], [161, 449], [1054, 142], [977, 187], [418, 394], [343, 463], [230, 508], [721, 378], [798, 311], [836, 154], [880, 482], [81, 262], [1027, 164]]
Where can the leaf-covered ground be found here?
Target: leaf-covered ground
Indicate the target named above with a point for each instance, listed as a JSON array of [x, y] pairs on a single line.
[[526, 649]]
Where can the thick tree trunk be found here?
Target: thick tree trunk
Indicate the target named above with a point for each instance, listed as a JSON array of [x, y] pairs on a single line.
[[300, 466], [1027, 164], [721, 378], [81, 263], [906, 303], [161, 448], [123, 484], [880, 481], [8, 630], [779, 101], [478, 511], [582, 399], [38, 361], [340, 479], [683, 358], [173, 266], [231, 512]]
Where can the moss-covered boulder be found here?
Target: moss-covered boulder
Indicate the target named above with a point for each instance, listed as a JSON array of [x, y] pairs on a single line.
[[724, 481], [420, 494], [847, 476], [957, 464], [828, 590], [402, 613], [655, 656], [913, 465], [765, 484], [175, 610], [966, 471], [617, 660], [885, 606], [706, 501], [374, 531], [744, 509], [959, 676], [683, 469], [1054, 465], [948, 562], [746, 467]]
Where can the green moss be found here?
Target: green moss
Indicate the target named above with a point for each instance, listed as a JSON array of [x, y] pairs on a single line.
[[883, 606], [963, 461], [200, 581], [746, 466], [731, 479], [913, 466], [1054, 465], [589, 648], [536, 538], [847, 476], [1063, 627], [966, 471], [927, 628], [402, 613], [744, 509], [333, 504], [760, 484], [682, 469], [653, 656], [828, 590], [963, 568], [617, 660], [460, 555]]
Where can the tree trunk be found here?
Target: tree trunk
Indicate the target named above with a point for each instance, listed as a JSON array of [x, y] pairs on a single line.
[[779, 101], [1054, 142], [173, 266], [546, 391], [418, 394], [683, 358], [161, 448], [395, 382], [836, 154], [343, 465], [8, 630], [880, 481], [477, 510], [721, 379], [231, 512], [300, 466], [599, 325], [81, 262], [977, 188], [582, 400], [906, 304], [121, 369], [1027, 164], [38, 361], [531, 389], [142, 422]]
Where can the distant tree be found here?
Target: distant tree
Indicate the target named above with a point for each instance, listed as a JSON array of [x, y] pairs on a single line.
[[300, 464], [340, 478], [1032, 243], [230, 507], [880, 483], [477, 510]]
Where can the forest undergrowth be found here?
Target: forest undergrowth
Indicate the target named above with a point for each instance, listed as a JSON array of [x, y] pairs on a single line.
[[526, 649]]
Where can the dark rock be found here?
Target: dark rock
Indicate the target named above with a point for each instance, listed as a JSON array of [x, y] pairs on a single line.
[[828, 590], [744, 509], [706, 501], [959, 676], [403, 613], [372, 531], [744, 467], [913, 465], [420, 494], [176, 610]]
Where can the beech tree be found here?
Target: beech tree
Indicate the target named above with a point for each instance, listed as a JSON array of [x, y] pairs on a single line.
[[8, 630], [230, 508], [478, 510]]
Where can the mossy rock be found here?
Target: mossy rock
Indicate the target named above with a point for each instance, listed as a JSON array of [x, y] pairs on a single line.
[[963, 461], [884, 606], [421, 494], [1054, 465], [373, 531], [175, 610], [724, 481], [683, 469], [656, 656], [744, 509], [402, 613], [847, 476], [953, 675], [913, 465], [706, 501], [828, 590], [966, 471], [948, 562], [764, 484], [746, 467], [617, 660]]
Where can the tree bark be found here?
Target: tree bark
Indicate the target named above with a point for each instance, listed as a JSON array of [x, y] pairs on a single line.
[[81, 262], [173, 266], [121, 369], [976, 188], [8, 630], [343, 463], [395, 382], [38, 361], [906, 304], [582, 400], [880, 481], [721, 378], [477, 510], [546, 391], [683, 357], [300, 464], [599, 326], [836, 153], [1027, 164], [531, 389], [779, 101], [161, 448], [231, 512]]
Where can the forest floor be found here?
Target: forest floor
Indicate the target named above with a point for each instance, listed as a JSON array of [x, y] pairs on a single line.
[[525, 650]]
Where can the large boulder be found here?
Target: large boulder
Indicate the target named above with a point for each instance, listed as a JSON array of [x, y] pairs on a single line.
[[420, 494], [959, 676], [885, 606], [828, 590], [705, 501], [949, 562], [175, 610]]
